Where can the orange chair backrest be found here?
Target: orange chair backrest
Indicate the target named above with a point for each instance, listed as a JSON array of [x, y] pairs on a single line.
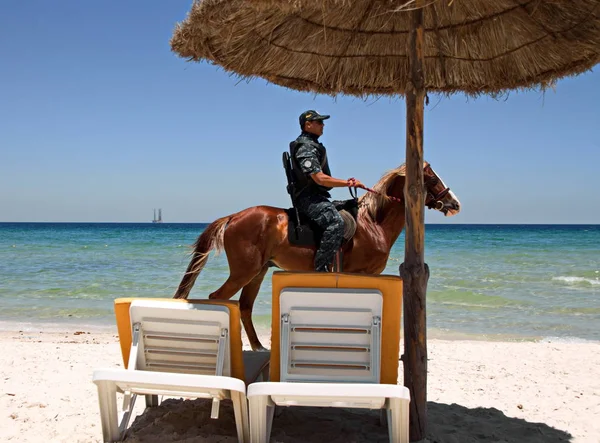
[[235, 333], [391, 288]]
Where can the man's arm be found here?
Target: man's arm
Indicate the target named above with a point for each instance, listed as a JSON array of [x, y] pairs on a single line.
[[309, 163], [323, 179]]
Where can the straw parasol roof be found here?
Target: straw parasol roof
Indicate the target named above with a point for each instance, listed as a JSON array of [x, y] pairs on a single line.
[[360, 47]]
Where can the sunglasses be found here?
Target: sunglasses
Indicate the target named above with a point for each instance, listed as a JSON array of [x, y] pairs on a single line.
[[318, 122]]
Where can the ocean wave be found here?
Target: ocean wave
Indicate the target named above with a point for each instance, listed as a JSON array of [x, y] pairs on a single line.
[[575, 280]]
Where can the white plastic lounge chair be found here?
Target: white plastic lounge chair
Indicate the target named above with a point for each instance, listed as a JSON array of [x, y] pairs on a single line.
[[177, 348], [330, 349]]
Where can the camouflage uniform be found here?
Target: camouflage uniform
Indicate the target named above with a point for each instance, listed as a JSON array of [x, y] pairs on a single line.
[[313, 202]]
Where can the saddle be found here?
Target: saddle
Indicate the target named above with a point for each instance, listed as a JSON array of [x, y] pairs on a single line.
[[301, 230], [304, 232]]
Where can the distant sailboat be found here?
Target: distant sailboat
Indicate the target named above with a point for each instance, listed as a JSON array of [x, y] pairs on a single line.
[[159, 219]]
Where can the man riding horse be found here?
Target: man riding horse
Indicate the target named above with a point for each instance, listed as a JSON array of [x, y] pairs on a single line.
[[256, 239], [314, 181]]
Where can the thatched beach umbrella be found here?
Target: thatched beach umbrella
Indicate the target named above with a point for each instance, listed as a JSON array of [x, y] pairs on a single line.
[[361, 47], [398, 47]]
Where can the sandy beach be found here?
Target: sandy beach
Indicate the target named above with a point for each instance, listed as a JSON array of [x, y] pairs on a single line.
[[478, 392]]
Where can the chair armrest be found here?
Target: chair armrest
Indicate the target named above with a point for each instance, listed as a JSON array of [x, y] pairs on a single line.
[[168, 379], [329, 390]]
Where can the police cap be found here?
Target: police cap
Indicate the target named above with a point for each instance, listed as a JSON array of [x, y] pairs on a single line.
[[311, 115]]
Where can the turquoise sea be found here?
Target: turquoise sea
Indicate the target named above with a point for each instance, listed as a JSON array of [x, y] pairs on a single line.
[[521, 282]]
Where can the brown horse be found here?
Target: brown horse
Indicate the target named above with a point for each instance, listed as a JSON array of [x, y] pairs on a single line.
[[256, 238]]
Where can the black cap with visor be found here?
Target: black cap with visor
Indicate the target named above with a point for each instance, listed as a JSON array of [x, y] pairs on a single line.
[[311, 115]]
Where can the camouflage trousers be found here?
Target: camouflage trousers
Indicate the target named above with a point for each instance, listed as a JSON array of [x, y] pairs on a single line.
[[321, 211]]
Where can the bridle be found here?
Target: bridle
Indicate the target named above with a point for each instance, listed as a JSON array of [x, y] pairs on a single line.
[[434, 201]]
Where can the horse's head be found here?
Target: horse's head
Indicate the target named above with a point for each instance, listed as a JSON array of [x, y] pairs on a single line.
[[391, 186], [439, 196]]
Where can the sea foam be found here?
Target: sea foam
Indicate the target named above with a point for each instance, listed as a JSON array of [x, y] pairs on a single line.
[[575, 280]]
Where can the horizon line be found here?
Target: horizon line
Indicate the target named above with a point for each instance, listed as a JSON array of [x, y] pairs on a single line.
[[207, 223]]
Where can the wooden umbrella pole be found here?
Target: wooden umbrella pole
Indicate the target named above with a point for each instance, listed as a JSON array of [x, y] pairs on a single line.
[[414, 271]]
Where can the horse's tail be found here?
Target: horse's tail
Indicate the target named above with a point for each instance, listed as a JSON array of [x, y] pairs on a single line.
[[211, 238]]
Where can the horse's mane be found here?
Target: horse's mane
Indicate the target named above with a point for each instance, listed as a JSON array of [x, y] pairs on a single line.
[[371, 204]]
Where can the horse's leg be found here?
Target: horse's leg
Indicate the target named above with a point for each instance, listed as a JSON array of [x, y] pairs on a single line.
[[249, 242], [231, 286], [247, 298], [244, 264]]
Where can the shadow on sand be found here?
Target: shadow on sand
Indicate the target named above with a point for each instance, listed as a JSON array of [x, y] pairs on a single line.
[[189, 421]]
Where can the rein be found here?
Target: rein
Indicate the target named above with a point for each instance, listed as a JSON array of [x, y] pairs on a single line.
[[352, 181], [433, 180]]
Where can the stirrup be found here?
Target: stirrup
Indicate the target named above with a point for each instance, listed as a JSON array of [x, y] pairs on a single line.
[[338, 261]]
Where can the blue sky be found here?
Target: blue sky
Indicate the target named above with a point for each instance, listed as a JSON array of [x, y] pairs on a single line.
[[99, 121]]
